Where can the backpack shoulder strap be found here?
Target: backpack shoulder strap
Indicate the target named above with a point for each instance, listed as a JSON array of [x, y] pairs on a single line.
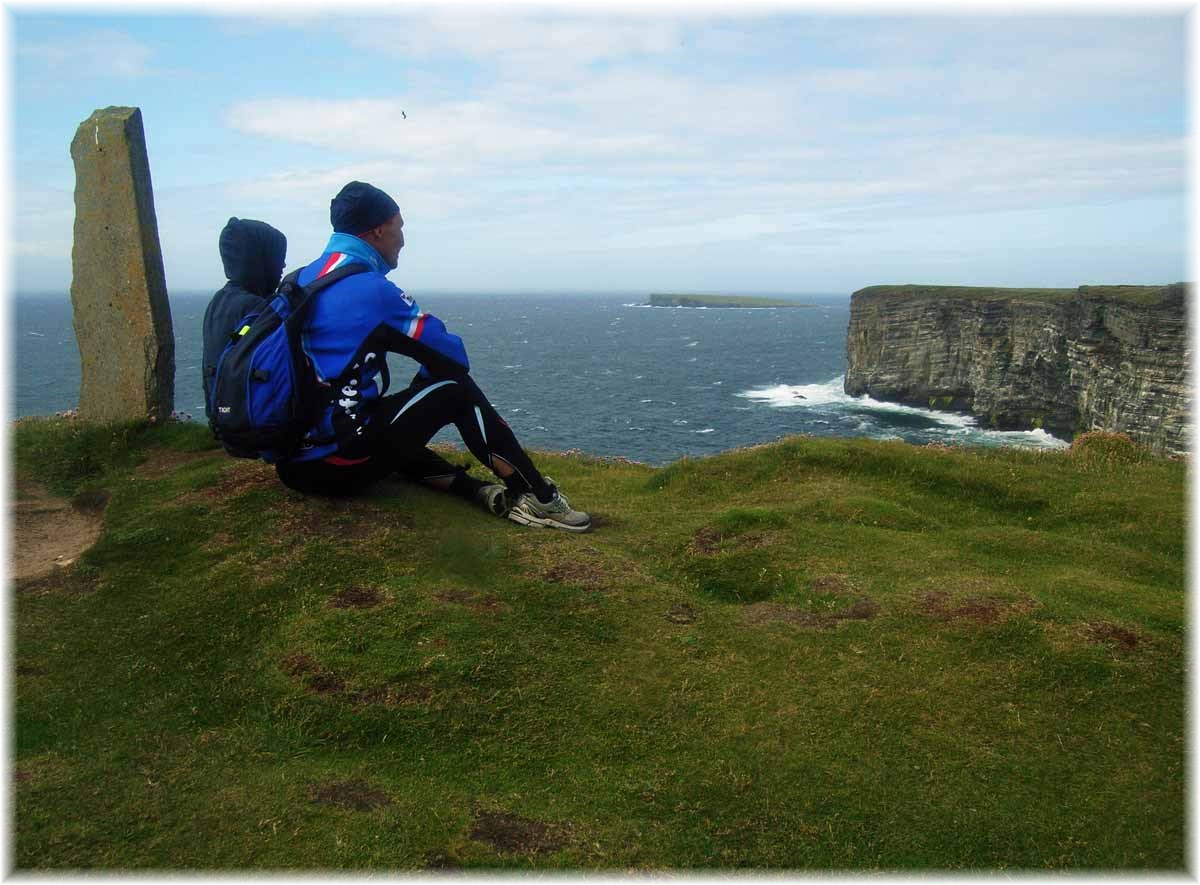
[[291, 289], [346, 270]]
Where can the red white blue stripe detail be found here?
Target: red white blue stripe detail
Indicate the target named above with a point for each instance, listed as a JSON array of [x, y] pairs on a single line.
[[336, 260], [415, 326]]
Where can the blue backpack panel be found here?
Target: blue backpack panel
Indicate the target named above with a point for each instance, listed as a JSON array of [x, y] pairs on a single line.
[[263, 396]]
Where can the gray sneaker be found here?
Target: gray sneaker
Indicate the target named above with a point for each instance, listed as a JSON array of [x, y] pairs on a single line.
[[494, 499], [556, 515]]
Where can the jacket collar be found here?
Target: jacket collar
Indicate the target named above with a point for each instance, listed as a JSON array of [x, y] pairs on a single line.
[[360, 249]]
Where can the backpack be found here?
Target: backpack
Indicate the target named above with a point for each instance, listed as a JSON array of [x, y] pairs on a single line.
[[262, 395]]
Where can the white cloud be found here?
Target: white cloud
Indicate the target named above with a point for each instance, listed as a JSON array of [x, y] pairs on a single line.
[[520, 41], [527, 133], [729, 139], [465, 131], [103, 53], [57, 248], [45, 222]]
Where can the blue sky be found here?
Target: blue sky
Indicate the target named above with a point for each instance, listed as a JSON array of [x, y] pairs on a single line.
[[786, 151]]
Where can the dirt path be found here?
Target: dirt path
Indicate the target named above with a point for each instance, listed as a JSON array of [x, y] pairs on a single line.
[[49, 532]]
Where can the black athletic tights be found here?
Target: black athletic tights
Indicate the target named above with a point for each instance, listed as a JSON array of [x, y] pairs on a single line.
[[401, 427]]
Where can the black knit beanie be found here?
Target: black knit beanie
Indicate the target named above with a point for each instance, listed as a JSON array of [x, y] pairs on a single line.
[[358, 207]]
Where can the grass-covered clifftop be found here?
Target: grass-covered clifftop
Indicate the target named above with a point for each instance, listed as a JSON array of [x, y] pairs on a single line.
[[1144, 295], [816, 654]]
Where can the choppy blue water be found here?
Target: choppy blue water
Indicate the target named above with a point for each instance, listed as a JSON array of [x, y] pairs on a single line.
[[600, 373]]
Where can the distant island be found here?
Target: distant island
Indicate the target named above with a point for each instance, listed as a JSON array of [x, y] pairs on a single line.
[[661, 300]]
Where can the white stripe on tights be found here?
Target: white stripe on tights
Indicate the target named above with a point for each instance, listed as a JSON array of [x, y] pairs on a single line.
[[479, 418], [412, 402]]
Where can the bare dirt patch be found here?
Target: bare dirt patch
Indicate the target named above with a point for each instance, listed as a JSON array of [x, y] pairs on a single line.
[[298, 665], [862, 610], [238, 478], [160, 462], [708, 541], [62, 580], [943, 606], [511, 833], [346, 519], [355, 795], [392, 695], [21, 777], [91, 501], [314, 677], [765, 612], [831, 585], [50, 533], [681, 614], [488, 604], [1108, 633], [584, 567], [31, 670], [442, 861], [325, 682], [587, 576], [322, 681], [357, 597]]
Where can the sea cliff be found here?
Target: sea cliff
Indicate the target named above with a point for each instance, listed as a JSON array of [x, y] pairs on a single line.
[[1110, 358]]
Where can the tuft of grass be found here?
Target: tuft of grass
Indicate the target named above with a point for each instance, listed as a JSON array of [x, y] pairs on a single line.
[[66, 454], [819, 654], [1101, 450]]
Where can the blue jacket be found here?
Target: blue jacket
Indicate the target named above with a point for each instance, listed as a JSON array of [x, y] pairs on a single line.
[[351, 326]]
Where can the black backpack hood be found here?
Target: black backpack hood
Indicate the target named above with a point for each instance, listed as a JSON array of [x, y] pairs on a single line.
[[253, 254]]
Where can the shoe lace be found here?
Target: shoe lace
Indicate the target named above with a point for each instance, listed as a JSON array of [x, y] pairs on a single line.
[[558, 503]]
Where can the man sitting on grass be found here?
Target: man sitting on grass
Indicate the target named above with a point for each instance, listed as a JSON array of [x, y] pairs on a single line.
[[362, 436]]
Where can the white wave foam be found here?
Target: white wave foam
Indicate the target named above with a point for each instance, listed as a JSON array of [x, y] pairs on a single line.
[[957, 424], [1030, 439], [706, 429], [832, 393], [784, 395]]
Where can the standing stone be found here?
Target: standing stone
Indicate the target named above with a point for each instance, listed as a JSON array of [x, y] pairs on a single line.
[[118, 288]]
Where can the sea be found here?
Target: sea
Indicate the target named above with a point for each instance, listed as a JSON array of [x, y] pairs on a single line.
[[601, 373]]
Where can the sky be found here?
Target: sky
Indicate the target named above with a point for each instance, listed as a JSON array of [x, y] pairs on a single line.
[[783, 150]]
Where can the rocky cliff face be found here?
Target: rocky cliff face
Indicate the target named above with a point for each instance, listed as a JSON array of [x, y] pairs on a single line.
[[1068, 360]]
